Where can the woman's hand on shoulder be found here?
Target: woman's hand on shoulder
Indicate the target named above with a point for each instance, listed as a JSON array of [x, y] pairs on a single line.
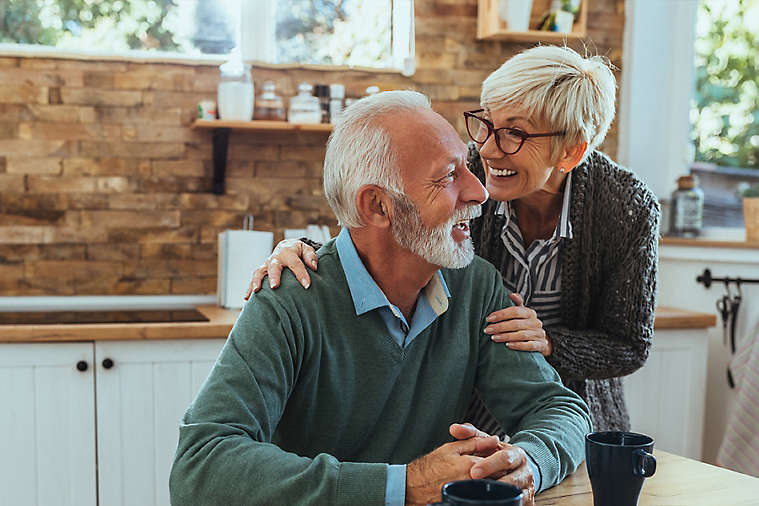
[[519, 327], [290, 253]]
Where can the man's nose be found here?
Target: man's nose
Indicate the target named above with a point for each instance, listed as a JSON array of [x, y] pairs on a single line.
[[472, 191]]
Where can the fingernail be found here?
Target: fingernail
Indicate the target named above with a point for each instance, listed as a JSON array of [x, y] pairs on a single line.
[[489, 318], [488, 330], [305, 283], [271, 284], [255, 286], [477, 473]]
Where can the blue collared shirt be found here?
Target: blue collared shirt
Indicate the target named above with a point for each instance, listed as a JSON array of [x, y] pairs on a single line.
[[367, 296]]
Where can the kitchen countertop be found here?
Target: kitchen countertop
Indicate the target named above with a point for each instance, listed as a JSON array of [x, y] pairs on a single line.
[[707, 243], [221, 321]]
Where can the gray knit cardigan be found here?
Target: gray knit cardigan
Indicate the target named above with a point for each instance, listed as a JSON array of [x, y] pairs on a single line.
[[608, 282]]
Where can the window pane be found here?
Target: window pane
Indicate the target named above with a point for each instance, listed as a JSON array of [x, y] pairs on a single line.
[[182, 26], [337, 32], [725, 112]]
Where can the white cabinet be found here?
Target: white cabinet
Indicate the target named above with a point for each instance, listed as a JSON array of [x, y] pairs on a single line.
[[47, 425], [54, 416], [140, 402], [666, 397]]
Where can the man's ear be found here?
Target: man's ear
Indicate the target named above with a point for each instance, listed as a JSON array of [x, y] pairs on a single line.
[[374, 206], [571, 156]]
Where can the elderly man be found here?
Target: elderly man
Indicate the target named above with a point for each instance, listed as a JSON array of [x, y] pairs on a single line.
[[349, 393]]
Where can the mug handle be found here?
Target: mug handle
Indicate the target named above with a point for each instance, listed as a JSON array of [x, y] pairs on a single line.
[[644, 464]]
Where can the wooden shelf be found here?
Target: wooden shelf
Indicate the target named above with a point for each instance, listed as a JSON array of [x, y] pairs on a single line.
[[490, 26], [262, 126], [220, 136]]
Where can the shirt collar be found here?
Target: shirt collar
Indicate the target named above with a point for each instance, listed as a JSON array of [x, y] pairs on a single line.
[[564, 227], [365, 292]]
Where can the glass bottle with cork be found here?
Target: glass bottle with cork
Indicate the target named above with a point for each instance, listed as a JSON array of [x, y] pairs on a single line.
[[687, 207]]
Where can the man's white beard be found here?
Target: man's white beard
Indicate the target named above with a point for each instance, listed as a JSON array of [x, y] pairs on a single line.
[[436, 245]]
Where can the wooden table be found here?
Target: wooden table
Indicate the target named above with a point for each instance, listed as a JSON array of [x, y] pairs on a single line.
[[678, 482]]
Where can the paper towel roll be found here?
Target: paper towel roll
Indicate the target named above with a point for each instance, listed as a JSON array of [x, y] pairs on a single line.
[[240, 251]]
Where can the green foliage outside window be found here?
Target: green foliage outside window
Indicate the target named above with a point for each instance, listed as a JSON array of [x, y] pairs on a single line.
[[725, 109], [101, 24], [332, 32]]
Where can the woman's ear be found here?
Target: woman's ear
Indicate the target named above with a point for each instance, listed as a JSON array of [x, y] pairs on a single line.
[[572, 156], [373, 206]]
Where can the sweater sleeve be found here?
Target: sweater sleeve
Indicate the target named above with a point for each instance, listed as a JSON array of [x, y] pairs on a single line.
[[225, 453], [525, 394], [620, 341]]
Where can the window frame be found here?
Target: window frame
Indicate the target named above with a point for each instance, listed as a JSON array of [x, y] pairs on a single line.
[[402, 41]]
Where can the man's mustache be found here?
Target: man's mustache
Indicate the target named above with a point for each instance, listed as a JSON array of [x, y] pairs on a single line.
[[467, 213]]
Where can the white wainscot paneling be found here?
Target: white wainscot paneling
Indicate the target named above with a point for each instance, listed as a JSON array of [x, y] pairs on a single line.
[[140, 403], [666, 397], [47, 425]]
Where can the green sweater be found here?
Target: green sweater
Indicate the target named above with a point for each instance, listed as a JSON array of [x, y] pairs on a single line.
[[308, 403]]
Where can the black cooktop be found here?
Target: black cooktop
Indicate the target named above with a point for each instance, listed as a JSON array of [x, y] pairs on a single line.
[[57, 317]]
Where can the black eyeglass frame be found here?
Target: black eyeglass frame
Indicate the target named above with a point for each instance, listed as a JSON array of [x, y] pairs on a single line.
[[492, 130]]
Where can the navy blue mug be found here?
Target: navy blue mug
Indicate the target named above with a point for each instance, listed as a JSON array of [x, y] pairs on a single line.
[[480, 492], [617, 463]]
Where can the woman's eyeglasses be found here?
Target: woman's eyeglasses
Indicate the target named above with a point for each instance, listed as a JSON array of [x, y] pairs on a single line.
[[509, 140]]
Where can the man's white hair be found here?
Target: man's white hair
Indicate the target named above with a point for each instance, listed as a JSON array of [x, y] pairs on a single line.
[[359, 152], [560, 88]]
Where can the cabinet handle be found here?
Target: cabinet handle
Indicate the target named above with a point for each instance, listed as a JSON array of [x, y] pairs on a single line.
[[107, 363], [81, 365]]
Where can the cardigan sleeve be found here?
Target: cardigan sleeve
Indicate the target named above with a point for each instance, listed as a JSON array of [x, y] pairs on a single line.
[[622, 326]]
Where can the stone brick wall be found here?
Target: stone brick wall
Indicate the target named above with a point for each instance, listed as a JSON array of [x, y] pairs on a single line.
[[104, 188]]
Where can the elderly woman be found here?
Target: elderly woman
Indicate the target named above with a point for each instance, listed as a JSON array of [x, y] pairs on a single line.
[[573, 233]]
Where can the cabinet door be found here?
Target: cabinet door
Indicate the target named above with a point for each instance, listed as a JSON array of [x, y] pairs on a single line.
[[666, 397], [47, 425], [140, 402]]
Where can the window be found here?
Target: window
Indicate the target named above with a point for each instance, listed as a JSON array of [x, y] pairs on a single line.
[[725, 105], [191, 27], [366, 33]]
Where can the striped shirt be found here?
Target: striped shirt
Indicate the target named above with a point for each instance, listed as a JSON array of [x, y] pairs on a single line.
[[535, 274]]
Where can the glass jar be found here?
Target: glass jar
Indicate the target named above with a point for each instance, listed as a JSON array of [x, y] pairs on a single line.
[[235, 95], [304, 107], [269, 105], [687, 207]]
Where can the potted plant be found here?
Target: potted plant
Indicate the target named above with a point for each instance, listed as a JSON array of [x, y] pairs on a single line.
[[750, 195]]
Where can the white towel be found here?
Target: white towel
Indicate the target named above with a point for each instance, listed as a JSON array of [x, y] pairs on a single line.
[[740, 447]]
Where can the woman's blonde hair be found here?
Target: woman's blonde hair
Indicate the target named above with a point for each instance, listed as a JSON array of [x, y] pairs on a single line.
[[560, 88]]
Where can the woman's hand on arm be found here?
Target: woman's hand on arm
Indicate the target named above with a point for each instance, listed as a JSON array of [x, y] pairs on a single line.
[[290, 253], [519, 327]]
